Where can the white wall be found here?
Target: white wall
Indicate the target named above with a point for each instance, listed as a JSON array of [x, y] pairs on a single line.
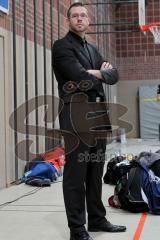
[[2, 118], [7, 98]]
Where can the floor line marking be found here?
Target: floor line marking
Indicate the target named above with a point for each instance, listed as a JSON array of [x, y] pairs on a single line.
[[140, 226]]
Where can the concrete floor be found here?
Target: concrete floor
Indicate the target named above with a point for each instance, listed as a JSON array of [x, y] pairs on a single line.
[[41, 215]]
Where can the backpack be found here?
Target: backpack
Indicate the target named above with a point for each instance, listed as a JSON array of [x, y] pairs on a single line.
[[116, 168], [110, 177], [128, 191]]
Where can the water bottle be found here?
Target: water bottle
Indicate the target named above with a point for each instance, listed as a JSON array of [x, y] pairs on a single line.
[[121, 135]]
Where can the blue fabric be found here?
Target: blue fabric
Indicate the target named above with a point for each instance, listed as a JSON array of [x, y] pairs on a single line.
[[151, 187], [42, 170]]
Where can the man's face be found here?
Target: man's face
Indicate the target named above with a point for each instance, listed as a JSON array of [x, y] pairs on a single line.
[[78, 20]]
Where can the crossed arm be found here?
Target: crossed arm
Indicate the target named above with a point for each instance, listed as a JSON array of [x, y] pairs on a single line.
[[65, 62], [98, 73]]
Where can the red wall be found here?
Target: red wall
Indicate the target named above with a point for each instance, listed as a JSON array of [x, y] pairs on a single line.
[[6, 20]]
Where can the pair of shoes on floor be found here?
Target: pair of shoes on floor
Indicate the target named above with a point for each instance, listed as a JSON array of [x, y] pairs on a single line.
[[81, 235], [106, 226]]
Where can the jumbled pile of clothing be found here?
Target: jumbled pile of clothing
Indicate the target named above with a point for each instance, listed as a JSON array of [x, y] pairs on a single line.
[[44, 169], [138, 186]]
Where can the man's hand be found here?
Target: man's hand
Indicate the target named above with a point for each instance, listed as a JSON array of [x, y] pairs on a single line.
[[95, 73], [109, 73], [106, 65]]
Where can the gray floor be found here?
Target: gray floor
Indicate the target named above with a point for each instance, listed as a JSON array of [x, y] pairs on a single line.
[[42, 216]]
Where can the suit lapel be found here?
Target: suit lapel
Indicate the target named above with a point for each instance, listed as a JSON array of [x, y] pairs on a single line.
[[80, 48]]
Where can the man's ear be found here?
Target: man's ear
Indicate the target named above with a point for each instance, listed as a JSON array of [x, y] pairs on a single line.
[[68, 22], [88, 21]]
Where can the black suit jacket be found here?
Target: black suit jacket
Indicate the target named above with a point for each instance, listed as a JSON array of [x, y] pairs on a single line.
[[70, 63]]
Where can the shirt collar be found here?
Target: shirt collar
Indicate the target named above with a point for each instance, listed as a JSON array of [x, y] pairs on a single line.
[[78, 38]]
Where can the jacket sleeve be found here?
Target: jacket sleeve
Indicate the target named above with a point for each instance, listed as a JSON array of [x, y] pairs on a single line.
[[110, 76], [65, 61]]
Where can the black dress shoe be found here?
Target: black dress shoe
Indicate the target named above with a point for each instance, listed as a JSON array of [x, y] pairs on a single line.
[[82, 235], [106, 227]]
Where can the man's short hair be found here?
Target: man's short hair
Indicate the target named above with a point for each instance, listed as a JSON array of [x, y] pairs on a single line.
[[76, 4]]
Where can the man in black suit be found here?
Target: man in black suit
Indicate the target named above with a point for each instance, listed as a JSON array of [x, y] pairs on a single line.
[[80, 71]]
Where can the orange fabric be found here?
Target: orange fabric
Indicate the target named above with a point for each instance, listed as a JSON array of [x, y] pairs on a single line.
[[56, 157]]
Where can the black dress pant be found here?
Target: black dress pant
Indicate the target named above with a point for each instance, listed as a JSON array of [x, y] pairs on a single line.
[[82, 177], [82, 183]]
